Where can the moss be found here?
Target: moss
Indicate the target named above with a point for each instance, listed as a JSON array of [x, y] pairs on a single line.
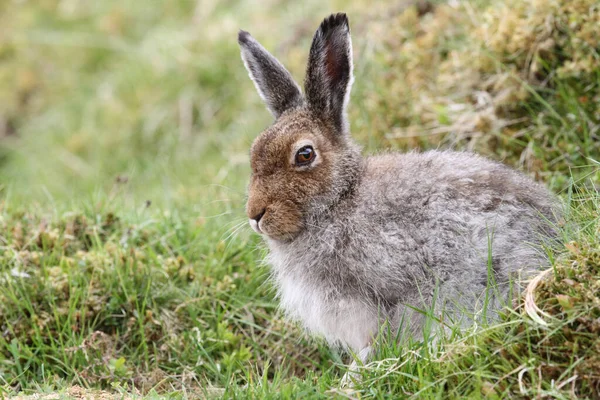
[[491, 77], [572, 298]]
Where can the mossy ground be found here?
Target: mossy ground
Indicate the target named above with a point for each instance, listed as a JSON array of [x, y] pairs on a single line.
[[125, 261]]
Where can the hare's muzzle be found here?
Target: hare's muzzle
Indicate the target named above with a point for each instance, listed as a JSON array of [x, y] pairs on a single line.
[[255, 221]]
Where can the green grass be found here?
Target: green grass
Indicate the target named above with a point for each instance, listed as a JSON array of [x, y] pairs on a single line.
[[151, 300], [126, 264]]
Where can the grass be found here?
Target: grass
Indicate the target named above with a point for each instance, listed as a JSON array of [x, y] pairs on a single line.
[[126, 266], [102, 299]]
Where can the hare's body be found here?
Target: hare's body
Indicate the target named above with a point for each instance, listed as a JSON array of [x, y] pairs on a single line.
[[358, 241], [415, 225]]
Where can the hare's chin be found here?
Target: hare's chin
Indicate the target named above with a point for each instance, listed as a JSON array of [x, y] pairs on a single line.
[[255, 225]]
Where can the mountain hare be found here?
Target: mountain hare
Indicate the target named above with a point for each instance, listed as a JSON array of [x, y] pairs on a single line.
[[358, 241]]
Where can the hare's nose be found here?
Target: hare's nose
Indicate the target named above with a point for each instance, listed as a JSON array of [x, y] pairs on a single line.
[[258, 216]]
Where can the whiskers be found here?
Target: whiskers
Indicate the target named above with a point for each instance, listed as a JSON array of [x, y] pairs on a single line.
[[238, 225]]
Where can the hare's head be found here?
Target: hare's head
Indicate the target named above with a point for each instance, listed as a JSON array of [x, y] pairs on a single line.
[[306, 161]]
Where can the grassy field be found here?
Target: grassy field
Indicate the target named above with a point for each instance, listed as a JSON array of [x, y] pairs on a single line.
[[127, 268]]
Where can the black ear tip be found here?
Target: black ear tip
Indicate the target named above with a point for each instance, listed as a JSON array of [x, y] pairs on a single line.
[[243, 37], [334, 21]]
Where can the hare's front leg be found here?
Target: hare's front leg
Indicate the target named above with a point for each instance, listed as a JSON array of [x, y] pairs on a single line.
[[352, 373]]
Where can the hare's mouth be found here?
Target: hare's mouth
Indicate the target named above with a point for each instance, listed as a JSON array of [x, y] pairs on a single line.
[[280, 221], [255, 226]]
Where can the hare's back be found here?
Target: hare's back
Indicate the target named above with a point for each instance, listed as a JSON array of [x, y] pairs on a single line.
[[455, 181], [459, 210]]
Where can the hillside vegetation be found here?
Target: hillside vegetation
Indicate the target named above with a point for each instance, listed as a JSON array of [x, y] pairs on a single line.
[[127, 268]]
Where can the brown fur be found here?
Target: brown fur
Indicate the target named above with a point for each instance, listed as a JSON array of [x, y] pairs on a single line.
[[278, 187]]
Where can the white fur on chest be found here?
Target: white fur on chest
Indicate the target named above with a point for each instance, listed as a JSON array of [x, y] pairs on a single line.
[[323, 310]]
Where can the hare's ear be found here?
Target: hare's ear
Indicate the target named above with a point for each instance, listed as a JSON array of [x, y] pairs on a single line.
[[329, 71], [273, 82]]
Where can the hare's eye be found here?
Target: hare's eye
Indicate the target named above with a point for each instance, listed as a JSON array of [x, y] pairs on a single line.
[[305, 155]]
